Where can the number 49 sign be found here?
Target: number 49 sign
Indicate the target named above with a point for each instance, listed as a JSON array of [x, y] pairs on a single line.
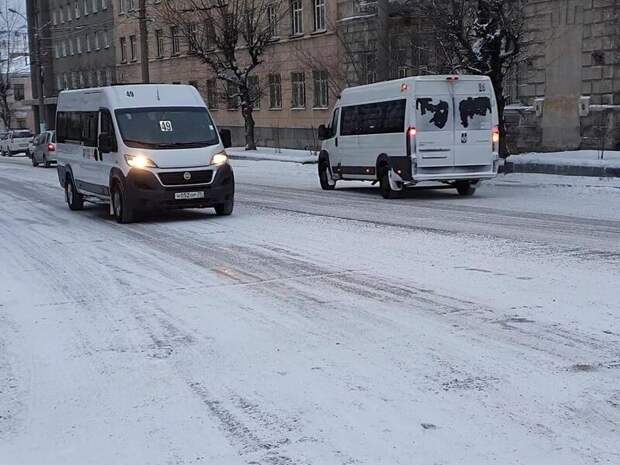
[[165, 126]]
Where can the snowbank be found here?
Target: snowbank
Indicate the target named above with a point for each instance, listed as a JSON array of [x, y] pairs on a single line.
[[273, 154]]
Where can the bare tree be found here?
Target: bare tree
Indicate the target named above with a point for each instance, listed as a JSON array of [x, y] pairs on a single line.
[[480, 37], [230, 37], [11, 22]]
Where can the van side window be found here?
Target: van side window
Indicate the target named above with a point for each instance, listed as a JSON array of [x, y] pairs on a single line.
[[107, 126], [90, 123], [374, 118], [348, 124]]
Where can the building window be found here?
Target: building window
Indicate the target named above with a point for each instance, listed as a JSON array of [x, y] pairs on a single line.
[[78, 44], [104, 4], [275, 92], [18, 91], [193, 38], [64, 48], [57, 50], [319, 15], [88, 43], [133, 48], [86, 8], [176, 40], [298, 81], [54, 18], [70, 46], [321, 89], [131, 5], [68, 12], [254, 86], [106, 38], [210, 34], [123, 49], [99, 78], [59, 83], [97, 44], [61, 15], [232, 96], [272, 19], [159, 43], [76, 8], [121, 6], [81, 79], [369, 68], [297, 12], [108, 76], [212, 100], [94, 6]]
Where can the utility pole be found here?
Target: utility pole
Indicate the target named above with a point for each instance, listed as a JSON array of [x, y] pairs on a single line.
[[39, 78], [144, 42]]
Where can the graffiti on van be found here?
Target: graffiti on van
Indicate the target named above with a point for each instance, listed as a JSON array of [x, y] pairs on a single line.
[[472, 107], [440, 111]]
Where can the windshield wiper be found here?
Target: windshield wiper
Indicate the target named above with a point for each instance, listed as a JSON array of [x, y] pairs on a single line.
[[144, 145]]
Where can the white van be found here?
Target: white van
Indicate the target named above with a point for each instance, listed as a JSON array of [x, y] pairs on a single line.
[[407, 131], [142, 147]]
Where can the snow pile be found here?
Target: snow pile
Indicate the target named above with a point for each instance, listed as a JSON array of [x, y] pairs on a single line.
[[574, 158], [273, 154]]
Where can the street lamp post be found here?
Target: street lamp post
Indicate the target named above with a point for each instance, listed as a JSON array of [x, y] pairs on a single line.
[[39, 66]]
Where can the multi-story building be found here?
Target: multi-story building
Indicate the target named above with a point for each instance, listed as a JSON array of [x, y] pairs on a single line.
[[75, 40]]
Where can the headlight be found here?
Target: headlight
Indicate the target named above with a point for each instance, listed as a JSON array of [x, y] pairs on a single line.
[[219, 158], [140, 161]]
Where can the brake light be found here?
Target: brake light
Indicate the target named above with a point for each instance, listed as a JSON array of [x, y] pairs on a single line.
[[411, 133], [51, 147], [495, 138], [452, 78]]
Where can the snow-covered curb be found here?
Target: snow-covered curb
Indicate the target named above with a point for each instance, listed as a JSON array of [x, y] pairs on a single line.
[[273, 154], [576, 163]]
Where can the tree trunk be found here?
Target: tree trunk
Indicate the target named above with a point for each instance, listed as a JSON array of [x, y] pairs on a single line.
[[250, 143], [498, 86]]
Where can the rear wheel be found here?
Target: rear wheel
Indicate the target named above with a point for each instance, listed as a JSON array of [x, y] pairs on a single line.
[[74, 199], [465, 189], [46, 161], [123, 213], [35, 163], [385, 187], [325, 177]]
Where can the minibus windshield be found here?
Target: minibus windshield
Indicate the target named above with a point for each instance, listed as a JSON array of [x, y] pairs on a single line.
[[166, 128]]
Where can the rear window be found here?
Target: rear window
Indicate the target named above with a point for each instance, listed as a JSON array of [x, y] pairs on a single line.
[[475, 113], [374, 118], [434, 113], [22, 135]]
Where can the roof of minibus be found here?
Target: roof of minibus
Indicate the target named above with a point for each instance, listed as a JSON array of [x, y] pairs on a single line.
[[130, 96], [395, 88]]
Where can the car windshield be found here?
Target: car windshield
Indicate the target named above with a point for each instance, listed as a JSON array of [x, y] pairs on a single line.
[[164, 128], [22, 135]]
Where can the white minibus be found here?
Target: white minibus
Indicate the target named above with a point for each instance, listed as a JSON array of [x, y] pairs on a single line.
[[142, 147], [403, 132]]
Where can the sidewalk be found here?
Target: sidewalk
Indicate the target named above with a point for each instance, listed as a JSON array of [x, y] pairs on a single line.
[[577, 163], [273, 154]]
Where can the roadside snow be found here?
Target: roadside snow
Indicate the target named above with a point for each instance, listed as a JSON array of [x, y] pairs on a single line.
[[574, 158], [273, 154]]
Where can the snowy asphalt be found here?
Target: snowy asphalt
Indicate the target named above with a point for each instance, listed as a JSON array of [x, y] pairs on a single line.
[[312, 327]]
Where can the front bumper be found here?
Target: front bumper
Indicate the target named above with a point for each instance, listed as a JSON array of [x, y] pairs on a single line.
[[146, 192]]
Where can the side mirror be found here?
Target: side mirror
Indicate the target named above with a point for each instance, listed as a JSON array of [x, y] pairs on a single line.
[[226, 138], [105, 143], [323, 132]]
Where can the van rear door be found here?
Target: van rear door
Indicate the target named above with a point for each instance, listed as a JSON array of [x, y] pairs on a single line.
[[434, 122], [473, 105]]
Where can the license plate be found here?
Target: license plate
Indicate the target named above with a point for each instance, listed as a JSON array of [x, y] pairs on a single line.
[[189, 195]]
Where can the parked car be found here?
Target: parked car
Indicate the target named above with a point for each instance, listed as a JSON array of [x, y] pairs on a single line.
[[44, 150], [142, 147], [16, 142], [403, 132]]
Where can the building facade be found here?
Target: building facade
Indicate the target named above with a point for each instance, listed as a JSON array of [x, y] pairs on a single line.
[[74, 41], [567, 89]]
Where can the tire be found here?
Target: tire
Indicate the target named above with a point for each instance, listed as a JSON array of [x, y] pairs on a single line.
[[226, 208], [74, 199], [325, 176], [384, 186], [123, 213], [46, 163], [35, 163], [465, 189]]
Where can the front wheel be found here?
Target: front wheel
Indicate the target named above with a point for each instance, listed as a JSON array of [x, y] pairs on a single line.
[[123, 213], [325, 177], [74, 199], [226, 208], [465, 189]]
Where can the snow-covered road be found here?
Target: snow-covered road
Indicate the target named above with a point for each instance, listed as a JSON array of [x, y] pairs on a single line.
[[312, 327]]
